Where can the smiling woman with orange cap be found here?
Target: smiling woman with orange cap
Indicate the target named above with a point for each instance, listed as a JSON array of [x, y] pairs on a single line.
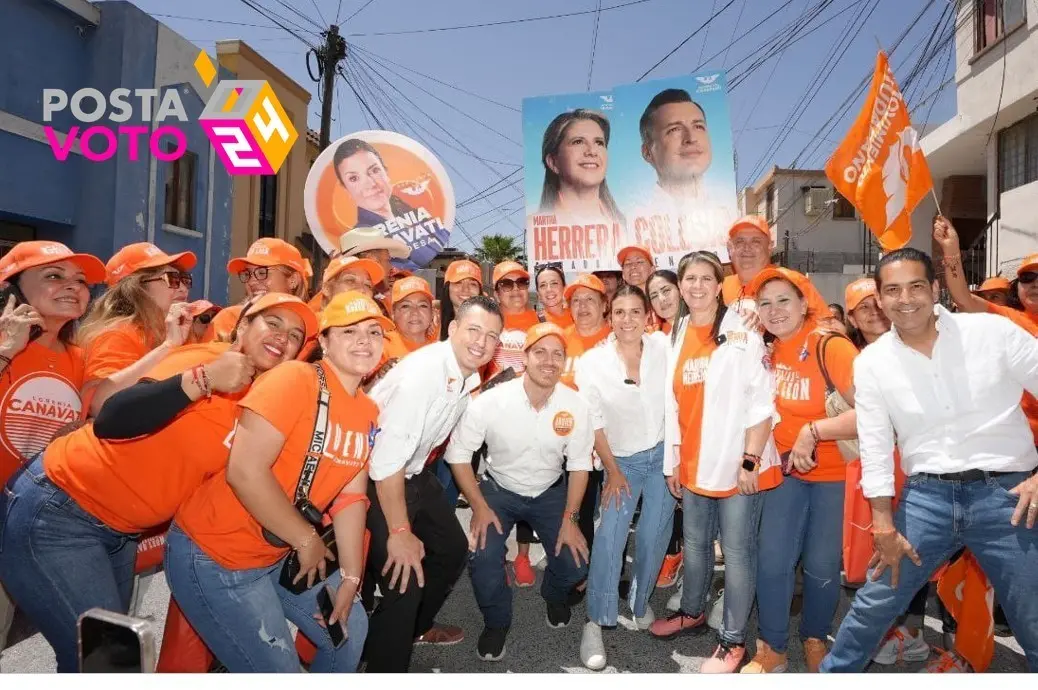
[[412, 314], [232, 540], [135, 324], [867, 320], [75, 514], [512, 290], [462, 280]]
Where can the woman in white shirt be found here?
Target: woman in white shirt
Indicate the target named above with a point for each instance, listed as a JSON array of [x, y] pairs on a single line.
[[623, 382], [719, 411]]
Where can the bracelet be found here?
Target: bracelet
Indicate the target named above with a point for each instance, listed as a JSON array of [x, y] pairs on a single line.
[[950, 258], [814, 433], [200, 380], [349, 578], [6, 361], [751, 457], [400, 530], [309, 538], [205, 380], [884, 532]]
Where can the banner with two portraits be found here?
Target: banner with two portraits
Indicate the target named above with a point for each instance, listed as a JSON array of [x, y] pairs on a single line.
[[647, 164]]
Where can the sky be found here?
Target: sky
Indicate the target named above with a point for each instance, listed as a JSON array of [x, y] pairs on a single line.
[[478, 134]]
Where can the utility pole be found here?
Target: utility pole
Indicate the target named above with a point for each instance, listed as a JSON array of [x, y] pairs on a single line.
[[330, 55]]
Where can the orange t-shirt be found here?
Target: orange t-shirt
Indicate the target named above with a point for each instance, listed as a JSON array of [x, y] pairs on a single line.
[[1029, 322], [224, 322], [286, 397], [800, 394], [133, 485], [113, 350], [563, 320], [732, 291], [576, 346], [39, 394], [399, 347], [509, 352], [689, 392]]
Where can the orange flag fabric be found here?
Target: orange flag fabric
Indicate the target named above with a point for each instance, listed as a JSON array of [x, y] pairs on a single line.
[[970, 598], [880, 167]]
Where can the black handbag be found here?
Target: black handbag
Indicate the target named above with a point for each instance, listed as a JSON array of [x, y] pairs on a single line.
[[290, 569]]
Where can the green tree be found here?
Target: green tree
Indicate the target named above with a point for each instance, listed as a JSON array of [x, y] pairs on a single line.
[[498, 248]]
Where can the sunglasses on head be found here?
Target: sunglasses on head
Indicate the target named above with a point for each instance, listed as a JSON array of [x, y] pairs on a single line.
[[1027, 277], [174, 280], [507, 284]]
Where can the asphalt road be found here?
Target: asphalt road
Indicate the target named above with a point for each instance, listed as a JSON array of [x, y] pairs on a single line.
[[532, 646]]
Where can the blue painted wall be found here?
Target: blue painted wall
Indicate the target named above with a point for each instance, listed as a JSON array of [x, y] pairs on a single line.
[[98, 207]]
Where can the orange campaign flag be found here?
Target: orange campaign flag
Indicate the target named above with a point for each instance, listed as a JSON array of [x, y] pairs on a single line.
[[880, 167], [969, 597]]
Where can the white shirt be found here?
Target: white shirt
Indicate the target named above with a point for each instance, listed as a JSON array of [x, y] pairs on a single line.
[[631, 416], [420, 400], [959, 410], [527, 447]]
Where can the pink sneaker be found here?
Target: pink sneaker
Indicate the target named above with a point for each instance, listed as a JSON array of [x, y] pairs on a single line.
[[678, 624], [727, 658]]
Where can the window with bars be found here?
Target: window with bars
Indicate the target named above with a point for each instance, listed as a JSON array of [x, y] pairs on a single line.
[[994, 17], [770, 204], [1018, 154], [181, 176], [842, 208]]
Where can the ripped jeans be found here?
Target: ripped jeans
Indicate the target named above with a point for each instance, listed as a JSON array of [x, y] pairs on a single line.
[[800, 521], [240, 614]]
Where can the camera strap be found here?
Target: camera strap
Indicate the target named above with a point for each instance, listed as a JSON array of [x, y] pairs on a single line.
[[318, 439]]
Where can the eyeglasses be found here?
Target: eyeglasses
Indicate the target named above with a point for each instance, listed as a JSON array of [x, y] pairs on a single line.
[[507, 284], [1027, 277], [260, 273], [173, 280]]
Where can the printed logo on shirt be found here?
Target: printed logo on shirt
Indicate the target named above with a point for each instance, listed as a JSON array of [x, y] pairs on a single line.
[[35, 408], [563, 423], [509, 351], [791, 385], [347, 447], [694, 371]]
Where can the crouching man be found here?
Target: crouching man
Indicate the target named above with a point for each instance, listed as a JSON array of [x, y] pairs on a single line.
[[538, 433]]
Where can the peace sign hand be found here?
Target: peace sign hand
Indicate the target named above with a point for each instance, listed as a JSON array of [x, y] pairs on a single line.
[[16, 326]]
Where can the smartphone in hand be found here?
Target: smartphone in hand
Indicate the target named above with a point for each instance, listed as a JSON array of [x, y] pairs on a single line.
[[326, 604]]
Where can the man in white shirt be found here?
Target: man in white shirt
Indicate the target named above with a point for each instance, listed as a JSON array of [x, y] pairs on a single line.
[[418, 548], [947, 387], [537, 432]]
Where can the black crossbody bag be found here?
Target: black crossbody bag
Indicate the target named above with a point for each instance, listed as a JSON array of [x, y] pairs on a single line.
[[310, 513]]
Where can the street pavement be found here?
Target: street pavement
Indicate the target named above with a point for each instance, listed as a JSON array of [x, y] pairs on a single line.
[[532, 646]]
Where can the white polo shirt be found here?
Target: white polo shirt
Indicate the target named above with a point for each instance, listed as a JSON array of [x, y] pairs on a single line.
[[632, 417], [528, 449], [420, 400]]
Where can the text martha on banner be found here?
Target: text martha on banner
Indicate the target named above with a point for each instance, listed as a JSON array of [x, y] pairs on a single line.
[[880, 167]]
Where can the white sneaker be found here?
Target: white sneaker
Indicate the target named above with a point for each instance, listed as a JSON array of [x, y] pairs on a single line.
[[592, 650], [643, 622], [899, 645], [674, 603], [716, 618]]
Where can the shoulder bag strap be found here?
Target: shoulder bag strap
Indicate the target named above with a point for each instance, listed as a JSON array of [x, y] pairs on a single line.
[[318, 439], [820, 354]]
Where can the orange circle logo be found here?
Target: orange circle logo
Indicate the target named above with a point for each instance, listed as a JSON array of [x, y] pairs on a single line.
[[35, 407], [563, 423]]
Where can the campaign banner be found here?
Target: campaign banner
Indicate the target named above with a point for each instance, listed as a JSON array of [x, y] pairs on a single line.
[[382, 180], [647, 164]]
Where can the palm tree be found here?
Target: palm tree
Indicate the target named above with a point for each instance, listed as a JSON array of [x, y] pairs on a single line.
[[498, 248]]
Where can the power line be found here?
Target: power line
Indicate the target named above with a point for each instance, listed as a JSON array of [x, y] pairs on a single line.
[[320, 14], [261, 11], [735, 27], [362, 8], [477, 196], [338, 11], [706, 36], [1002, 88], [687, 39], [746, 33], [213, 21], [502, 22], [302, 16], [594, 44], [286, 20]]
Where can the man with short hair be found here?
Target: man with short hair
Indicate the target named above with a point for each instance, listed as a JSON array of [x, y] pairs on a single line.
[[418, 548], [947, 387], [538, 432]]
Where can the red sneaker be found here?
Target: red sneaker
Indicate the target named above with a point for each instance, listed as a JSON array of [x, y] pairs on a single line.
[[726, 659], [524, 575], [678, 624]]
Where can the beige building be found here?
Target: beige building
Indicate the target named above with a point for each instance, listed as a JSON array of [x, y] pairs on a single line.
[[268, 205]]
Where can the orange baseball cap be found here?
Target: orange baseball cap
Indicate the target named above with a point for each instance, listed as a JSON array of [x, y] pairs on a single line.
[[141, 255], [771, 272], [348, 308], [754, 222], [463, 269], [584, 280], [543, 330], [40, 253], [201, 306], [409, 286], [633, 249], [291, 302], [858, 291], [269, 251], [341, 263], [506, 267], [996, 283], [1029, 264]]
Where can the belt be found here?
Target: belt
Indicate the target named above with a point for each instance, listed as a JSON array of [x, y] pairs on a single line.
[[967, 476]]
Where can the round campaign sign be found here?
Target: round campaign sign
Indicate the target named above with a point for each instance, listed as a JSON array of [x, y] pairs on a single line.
[[382, 180]]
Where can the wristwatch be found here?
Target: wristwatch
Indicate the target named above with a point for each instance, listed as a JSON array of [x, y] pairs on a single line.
[[750, 462], [574, 517]]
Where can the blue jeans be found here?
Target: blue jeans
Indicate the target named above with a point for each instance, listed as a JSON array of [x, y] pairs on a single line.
[[240, 614], [545, 514], [739, 518], [644, 473], [800, 520], [938, 518], [57, 561], [450, 488]]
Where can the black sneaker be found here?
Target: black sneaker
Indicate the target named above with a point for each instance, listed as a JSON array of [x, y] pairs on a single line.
[[558, 615], [491, 644]]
